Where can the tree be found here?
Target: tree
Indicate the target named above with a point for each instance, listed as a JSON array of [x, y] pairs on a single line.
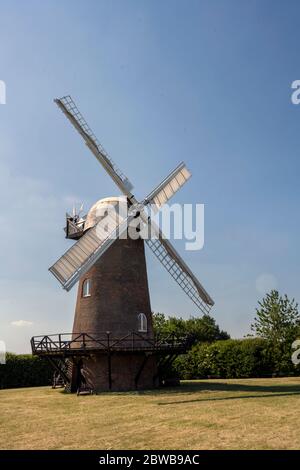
[[203, 329], [278, 322]]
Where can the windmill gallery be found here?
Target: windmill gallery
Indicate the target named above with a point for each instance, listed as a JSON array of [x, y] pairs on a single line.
[[112, 345]]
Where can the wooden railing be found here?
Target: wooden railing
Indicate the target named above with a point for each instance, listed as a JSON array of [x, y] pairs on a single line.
[[80, 342]]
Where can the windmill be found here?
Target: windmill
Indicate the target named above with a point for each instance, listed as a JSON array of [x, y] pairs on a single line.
[[112, 345]]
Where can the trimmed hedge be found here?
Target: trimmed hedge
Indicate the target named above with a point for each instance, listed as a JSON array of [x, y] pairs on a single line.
[[250, 357], [24, 370], [232, 358]]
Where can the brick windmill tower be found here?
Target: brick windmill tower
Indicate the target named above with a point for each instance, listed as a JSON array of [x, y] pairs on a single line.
[[113, 346]]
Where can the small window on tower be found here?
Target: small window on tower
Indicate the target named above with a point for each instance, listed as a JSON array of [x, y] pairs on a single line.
[[142, 319], [86, 288]]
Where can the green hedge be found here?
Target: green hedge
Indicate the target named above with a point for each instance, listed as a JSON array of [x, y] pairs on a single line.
[[231, 358], [24, 371]]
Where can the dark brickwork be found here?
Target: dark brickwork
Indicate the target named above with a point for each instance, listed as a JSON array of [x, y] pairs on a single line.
[[119, 292], [124, 371]]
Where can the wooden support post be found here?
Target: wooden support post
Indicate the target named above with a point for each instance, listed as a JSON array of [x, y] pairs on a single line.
[[141, 369], [109, 370], [109, 361]]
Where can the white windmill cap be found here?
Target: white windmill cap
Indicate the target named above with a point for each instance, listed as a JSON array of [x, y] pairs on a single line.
[[96, 212]]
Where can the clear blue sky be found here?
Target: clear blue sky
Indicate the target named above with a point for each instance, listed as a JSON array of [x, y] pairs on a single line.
[[204, 81]]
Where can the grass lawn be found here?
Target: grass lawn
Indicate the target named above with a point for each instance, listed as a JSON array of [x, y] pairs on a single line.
[[203, 414]]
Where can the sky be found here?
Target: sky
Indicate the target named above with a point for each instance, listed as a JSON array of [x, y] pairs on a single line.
[[204, 81]]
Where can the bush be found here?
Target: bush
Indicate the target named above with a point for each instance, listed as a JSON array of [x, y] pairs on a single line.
[[24, 370], [226, 359]]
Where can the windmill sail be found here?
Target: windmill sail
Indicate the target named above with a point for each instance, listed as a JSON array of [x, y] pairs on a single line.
[[169, 186], [163, 249], [69, 108], [85, 252], [174, 264]]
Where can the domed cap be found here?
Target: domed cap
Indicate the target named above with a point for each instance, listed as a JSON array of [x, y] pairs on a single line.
[[102, 207]]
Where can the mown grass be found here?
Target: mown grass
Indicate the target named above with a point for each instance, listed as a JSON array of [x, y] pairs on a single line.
[[208, 414]]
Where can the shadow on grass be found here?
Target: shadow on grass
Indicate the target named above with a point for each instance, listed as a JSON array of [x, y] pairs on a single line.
[[258, 391], [240, 397], [239, 387], [203, 386]]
